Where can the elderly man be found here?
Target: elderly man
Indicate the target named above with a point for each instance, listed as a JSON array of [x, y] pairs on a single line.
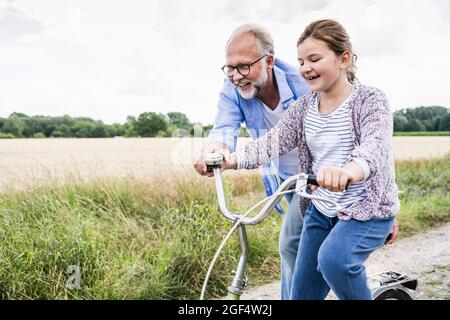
[[258, 91]]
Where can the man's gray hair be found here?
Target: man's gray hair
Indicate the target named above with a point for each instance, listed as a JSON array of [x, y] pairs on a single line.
[[263, 38]]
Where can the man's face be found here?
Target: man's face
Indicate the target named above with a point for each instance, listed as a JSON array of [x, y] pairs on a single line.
[[244, 50]]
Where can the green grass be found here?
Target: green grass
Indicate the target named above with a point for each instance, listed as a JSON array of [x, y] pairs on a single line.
[[422, 133], [155, 239], [425, 198]]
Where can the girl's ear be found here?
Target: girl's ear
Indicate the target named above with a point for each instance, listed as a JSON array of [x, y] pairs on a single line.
[[345, 59]]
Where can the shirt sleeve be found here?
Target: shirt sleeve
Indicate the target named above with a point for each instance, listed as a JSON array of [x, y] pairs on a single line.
[[277, 141], [229, 117], [376, 132], [365, 166]]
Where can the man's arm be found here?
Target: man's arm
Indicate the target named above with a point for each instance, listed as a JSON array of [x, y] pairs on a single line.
[[228, 118], [223, 136]]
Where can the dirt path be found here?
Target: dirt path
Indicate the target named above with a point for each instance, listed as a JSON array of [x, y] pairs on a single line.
[[423, 256]]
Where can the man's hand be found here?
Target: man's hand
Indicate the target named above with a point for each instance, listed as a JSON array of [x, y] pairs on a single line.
[[394, 232], [200, 161]]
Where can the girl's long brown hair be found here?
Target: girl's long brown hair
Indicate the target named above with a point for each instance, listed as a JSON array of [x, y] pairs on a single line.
[[336, 37]]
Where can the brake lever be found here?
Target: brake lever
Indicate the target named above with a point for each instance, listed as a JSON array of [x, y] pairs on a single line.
[[302, 182]]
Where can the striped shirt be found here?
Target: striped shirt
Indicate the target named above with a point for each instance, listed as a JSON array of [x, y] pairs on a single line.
[[329, 139]]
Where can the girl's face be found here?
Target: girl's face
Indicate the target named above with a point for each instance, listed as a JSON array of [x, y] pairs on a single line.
[[320, 66]]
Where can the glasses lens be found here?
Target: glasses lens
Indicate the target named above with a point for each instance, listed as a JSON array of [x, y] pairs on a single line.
[[243, 69]]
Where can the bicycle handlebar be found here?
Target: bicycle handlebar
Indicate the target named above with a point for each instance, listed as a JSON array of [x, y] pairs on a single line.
[[214, 161]]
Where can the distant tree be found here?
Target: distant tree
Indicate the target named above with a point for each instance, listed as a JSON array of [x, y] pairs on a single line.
[[426, 113], [18, 115], [13, 126], [436, 124], [115, 130], [420, 118], [150, 124], [99, 130], [83, 129], [6, 136], [445, 123], [130, 127], [400, 122], [62, 131], [414, 125], [178, 119], [39, 135]]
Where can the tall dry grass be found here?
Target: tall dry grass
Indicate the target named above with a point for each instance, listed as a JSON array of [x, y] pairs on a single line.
[[154, 238]]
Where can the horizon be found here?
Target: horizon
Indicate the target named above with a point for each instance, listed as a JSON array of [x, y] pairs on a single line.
[[192, 122]]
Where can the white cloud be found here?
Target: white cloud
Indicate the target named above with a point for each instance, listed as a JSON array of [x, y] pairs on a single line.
[[110, 59], [14, 25]]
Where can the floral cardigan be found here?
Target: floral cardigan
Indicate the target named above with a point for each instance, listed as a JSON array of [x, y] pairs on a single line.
[[371, 126]]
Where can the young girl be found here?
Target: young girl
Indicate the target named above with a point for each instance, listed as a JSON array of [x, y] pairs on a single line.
[[343, 131]]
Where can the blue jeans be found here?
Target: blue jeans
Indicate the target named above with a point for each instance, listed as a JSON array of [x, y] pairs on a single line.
[[291, 230], [332, 253]]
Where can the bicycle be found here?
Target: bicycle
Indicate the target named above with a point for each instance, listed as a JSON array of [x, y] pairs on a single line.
[[388, 285]]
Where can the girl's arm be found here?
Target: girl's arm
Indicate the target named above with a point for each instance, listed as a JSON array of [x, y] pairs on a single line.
[[376, 126], [277, 141]]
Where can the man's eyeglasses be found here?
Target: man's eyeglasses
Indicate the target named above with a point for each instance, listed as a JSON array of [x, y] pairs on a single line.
[[243, 69]]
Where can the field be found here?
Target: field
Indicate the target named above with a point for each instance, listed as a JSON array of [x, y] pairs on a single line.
[[144, 226], [31, 162]]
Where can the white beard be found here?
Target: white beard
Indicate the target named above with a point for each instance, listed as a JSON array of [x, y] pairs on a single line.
[[255, 87], [249, 94]]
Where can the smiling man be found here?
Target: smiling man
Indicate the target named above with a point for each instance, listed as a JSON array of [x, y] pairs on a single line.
[[257, 91]]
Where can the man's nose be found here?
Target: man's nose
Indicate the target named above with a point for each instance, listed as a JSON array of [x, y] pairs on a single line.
[[236, 75]]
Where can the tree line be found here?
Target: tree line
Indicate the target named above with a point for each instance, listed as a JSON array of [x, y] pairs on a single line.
[[433, 118], [148, 124], [151, 124]]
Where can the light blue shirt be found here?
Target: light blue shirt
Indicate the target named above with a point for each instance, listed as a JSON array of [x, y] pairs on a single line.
[[234, 110]]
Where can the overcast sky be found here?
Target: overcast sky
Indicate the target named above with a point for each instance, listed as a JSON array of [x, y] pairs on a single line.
[[110, 59]]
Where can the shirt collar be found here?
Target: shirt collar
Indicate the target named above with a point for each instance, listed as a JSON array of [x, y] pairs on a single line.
[[283, 86]]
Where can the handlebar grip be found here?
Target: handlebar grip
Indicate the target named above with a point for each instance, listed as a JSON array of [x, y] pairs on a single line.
[[312, 180], [213, 160]]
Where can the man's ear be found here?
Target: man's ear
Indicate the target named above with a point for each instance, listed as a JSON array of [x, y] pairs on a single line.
[[270, 60]]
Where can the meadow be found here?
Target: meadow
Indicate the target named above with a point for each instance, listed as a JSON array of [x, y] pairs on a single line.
[[25, 163], [135, 222]]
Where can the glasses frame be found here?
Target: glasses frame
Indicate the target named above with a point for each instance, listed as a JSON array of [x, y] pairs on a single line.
[[240, 65]]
